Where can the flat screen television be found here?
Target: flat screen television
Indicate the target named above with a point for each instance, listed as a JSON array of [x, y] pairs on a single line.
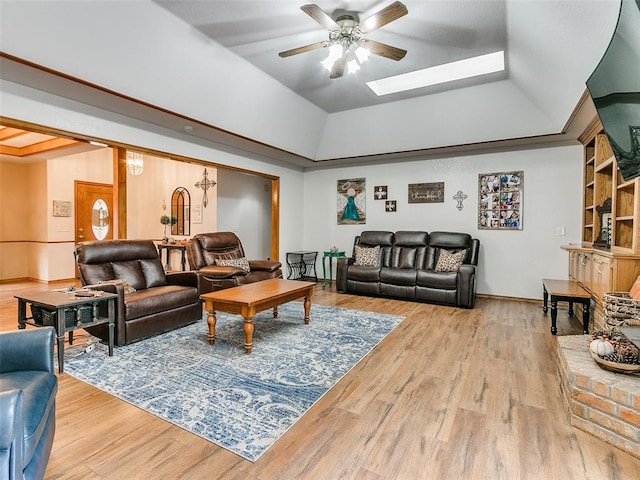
[[614, 87]]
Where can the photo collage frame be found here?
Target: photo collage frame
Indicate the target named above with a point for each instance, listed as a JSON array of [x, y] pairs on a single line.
[[500, 200]]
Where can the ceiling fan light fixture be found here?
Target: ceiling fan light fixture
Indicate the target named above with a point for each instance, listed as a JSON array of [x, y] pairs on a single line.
[[336, 50], [327, 63], [362, 54], [352, 66], [347, 38]]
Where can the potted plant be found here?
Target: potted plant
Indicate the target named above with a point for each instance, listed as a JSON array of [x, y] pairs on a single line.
[[166, 220]]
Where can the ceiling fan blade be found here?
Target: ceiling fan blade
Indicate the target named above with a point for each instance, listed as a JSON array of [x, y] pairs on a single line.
[[385, 50], [387, 15], [306, 48], [319, 15], [338, 67]]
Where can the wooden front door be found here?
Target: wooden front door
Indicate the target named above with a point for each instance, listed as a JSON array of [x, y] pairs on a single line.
[[94, 211]]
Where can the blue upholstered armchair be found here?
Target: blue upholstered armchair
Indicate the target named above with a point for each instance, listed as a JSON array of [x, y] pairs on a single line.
[[28, 389]]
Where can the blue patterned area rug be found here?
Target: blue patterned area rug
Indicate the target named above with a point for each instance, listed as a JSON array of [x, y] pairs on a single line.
[[240, 402]]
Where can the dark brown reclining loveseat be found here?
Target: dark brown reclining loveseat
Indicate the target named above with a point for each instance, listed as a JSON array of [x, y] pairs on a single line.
[[206, 252], [160, 302], [437, 268]]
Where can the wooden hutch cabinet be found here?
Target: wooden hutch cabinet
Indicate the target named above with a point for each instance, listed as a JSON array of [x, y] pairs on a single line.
[[608, 259]]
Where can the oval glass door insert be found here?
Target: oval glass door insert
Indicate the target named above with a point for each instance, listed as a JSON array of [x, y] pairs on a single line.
[[100, 219]]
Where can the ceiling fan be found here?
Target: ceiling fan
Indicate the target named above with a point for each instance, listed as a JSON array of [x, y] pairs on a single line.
[[347, 44]]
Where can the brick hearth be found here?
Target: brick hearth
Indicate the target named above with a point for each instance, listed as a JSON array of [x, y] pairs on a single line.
[[602, 403]]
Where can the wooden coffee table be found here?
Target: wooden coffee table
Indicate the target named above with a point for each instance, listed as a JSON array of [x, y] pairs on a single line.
[[247, 300]]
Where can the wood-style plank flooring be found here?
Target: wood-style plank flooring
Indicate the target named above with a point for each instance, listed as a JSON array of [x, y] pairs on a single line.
[[449, 394]]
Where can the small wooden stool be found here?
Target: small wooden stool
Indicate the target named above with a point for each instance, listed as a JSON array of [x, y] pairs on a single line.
[[567, 291]]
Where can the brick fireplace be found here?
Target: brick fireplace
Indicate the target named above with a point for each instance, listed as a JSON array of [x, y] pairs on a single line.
[[602, 403]]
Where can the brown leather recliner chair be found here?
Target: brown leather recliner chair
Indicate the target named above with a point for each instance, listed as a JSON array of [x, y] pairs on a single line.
[[207, 251], [158, 301]]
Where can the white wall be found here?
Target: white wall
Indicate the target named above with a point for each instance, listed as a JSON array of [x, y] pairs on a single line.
[[512, 263], [244, 207]]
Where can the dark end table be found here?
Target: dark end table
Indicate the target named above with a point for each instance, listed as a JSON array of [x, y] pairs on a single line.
[[67, 312], [568, 291], [302, 265]]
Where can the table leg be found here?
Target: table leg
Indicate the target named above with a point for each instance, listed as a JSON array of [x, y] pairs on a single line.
[[545, 297], [183, 262], [111, 312], [275, 312], [60, 337], [324, 271], [211, 321], [307, 308], [554, 315], [585, 317], [111, 336], [248, 334], [22, 314], [570, 311]]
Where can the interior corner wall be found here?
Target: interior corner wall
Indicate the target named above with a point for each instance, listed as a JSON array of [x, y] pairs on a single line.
[[15, 211], [512, 263], [244, 207]]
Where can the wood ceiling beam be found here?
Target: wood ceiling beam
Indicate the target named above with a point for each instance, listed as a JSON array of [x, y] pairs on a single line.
[[7, 133], [40, 147]]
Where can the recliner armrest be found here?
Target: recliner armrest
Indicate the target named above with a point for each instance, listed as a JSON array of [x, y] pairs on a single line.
[[264, 265], [221, 271], [185, 279]]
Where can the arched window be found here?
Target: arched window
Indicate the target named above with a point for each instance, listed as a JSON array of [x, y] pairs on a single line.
[[180, 209]]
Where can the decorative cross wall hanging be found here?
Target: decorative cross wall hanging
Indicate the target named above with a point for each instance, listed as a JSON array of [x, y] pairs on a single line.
[[459, 197], [205, 184]]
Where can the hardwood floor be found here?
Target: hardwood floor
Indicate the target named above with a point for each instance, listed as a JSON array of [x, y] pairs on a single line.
[[449, 394]]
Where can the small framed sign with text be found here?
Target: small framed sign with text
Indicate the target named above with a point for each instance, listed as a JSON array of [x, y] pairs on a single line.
[[426, 192]]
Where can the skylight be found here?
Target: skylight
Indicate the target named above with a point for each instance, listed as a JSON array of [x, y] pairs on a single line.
[[467, 68]]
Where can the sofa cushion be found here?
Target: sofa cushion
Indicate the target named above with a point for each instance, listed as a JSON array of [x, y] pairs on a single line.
[[442, 280], [241, 262], [131, 272], [95, 273], [363, 274], [367, 256], [450, 261], [153, 272], [153, 300], [398, 276]]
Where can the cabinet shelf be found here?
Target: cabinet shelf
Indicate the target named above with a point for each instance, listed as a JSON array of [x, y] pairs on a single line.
[[603, 182], [605, 165]]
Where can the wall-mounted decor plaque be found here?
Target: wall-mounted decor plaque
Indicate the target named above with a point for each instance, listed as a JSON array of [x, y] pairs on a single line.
[[351, 201], [426, 192], [61, 208]]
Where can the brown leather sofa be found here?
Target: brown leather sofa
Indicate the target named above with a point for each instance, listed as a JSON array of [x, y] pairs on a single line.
[[206, 250], [407, 267], [161, 301]]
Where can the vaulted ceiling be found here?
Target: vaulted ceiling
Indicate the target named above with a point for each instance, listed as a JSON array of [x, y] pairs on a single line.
[[214, 65]]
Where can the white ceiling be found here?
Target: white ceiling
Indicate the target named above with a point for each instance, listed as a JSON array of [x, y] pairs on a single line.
[[215, 65], [433, 32]]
